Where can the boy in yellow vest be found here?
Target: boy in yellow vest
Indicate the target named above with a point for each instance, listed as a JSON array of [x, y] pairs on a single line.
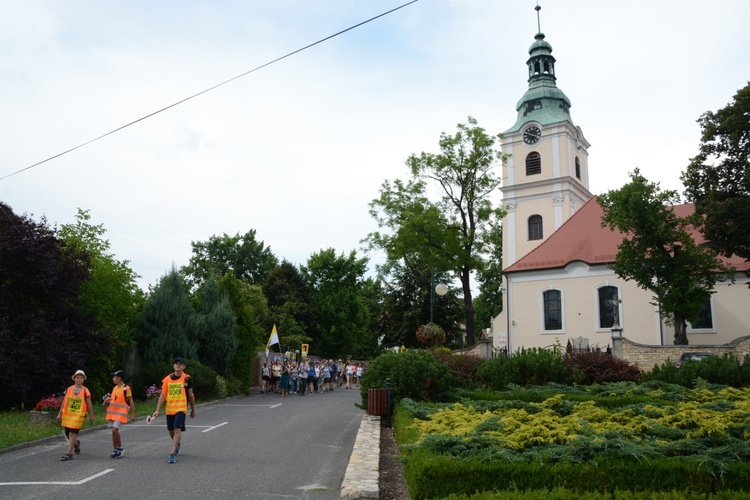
[[177, 391], [119, 405], [75, 405]]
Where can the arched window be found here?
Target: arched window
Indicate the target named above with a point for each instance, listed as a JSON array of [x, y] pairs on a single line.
[[536, 227], [609, 308], [578, 168], [552, 310], [533, 164]]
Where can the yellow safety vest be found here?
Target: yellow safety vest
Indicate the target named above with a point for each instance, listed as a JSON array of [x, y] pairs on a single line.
[[118, 406], [175, 394], [74, 408]]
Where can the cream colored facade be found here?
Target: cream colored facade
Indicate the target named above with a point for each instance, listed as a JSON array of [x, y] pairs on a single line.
[[640, 320], [557, 193]]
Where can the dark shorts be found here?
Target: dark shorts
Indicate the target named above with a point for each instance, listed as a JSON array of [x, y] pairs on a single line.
[[70, 430], [176, 421], [266, 377]]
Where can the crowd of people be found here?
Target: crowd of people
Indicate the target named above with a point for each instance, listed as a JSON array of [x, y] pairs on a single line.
[[308, 376]]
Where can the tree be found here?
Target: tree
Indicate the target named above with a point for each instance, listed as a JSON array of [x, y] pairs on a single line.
[[169, 325], [217, 342], [289, 305], [406, 305], [450, 234], [659, 253], [489, 302], [110, 293], [336, 282], [44, 333], [251, 310], [246, 257], [718, 178]]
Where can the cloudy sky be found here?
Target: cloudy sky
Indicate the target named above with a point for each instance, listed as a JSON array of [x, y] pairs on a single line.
[[298, 149]]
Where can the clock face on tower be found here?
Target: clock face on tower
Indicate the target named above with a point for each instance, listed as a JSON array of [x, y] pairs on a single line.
[[531, 135]]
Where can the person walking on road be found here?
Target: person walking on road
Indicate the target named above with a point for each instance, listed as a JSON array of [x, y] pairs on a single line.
[[177, 392], [75, 405], [119, 405]]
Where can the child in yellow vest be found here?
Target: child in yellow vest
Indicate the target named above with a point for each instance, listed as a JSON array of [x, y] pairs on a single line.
[[177, 393], [75, 405], [119, 405]]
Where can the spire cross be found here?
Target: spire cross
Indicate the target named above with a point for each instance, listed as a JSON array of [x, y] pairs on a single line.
[[538, 21]]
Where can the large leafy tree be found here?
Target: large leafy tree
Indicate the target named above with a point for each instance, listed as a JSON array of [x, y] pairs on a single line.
[[489, 302], [337, 297], [449, 232], [217, 342], [290, 306], [659, 253], [718, 178], [251, 311], [249, 259], [45, 335], [406, 305], [169, 325], [110, 293]]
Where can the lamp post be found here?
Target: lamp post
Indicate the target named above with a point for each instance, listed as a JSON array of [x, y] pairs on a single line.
[[441, 289]]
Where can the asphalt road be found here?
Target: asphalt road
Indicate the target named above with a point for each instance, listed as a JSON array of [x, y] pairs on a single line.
[[260, 446]]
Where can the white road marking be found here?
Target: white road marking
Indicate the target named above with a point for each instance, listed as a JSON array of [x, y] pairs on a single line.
[[61, 483], [215, 426]]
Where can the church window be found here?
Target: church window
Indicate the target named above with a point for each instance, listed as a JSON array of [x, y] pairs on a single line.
[[609, 309], [536, 227], [578, 168], [533, 164], [552, 310], [705, 317]]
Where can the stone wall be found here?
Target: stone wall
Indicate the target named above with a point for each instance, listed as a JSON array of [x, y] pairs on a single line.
[[646, 356], [482, 349]]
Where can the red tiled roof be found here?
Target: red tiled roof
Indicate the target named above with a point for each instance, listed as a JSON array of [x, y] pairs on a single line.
[[582, 238]]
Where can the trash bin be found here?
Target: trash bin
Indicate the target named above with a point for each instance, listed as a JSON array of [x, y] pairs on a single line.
[[376, 401]]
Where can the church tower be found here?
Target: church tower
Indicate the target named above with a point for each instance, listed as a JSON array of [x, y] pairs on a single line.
[[547, 177]]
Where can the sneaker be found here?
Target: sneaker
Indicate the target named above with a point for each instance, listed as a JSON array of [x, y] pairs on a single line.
[[177, 452], [117, 453], [172, 458]]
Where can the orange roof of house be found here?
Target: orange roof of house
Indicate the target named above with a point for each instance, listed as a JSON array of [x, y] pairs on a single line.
[[582, 238]]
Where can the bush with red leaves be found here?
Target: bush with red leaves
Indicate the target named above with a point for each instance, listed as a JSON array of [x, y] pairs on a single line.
[[592, 366]]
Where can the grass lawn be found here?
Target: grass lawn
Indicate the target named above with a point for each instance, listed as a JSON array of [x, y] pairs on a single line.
[[15, 427]]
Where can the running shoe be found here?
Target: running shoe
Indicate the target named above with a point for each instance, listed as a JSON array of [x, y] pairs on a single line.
[[177, 452], [172, 458]]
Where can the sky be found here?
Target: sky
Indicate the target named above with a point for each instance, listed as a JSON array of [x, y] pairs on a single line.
[[298, 149]]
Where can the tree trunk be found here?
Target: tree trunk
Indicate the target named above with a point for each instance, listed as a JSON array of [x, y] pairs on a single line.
[[680, 330], [468, 306]]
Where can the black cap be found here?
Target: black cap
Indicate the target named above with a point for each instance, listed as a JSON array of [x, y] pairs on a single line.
[[119, 373], [179, 360]]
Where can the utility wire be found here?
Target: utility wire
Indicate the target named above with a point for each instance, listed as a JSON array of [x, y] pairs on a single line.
[[208, 89]]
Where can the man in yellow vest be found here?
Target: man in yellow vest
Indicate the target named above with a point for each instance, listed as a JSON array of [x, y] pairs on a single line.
[[76, 403], [119, 405], [177, 391]]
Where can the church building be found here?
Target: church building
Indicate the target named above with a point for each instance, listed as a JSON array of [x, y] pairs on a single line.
[[557, 280]]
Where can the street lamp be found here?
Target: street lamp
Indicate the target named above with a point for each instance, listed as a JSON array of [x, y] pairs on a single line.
[[440, 289]]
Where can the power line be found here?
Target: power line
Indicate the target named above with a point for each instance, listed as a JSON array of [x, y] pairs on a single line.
[[208, 89]]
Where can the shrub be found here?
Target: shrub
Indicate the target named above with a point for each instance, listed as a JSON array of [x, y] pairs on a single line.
[[462, 366], [592, 366], [534, 366], [415, 374], [724, 370]]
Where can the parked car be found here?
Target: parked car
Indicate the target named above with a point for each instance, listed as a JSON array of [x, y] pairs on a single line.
[[692, 356]]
